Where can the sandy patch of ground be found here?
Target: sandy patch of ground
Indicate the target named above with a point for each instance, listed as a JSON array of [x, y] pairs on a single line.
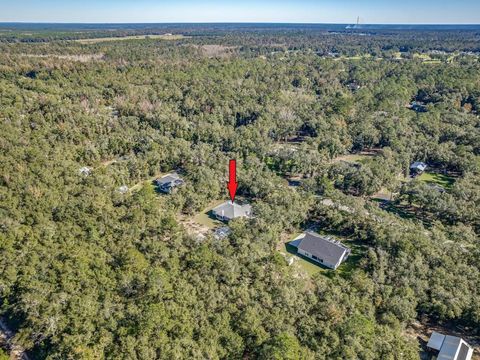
[[133, 37], [80, 58], [193, 228], [211, 50]]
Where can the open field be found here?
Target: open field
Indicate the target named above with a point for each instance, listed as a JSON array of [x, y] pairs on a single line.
[[79, 58], [355, 57], [203, 218], [132, 37], [357, 157], [444, 181], [143, 183]]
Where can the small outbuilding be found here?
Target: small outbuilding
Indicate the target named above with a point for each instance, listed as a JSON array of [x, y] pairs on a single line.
[[222, 232], [231, 210], [418, 107], [353, 86], [448, 347], [168, 183], [417, 168], [85, 171], [323, 250]]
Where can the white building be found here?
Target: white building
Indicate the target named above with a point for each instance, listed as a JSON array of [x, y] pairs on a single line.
[[325, 251], [449, 347], [85, 171], [230, 210], [169, 182]]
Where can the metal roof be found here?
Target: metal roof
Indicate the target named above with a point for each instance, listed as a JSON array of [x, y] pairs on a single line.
[[229, 210], [169, 178], [222, 232], [450, 347], [418, 165], [326, 249], [436, 340]]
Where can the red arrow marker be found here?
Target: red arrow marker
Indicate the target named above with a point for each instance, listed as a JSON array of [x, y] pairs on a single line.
[[232, 184]]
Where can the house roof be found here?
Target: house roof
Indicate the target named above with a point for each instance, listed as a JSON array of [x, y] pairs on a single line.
[[418, 165], [231, 210], [450, 347], [167, 179], [326, 249], [85, 170], [436, 340]]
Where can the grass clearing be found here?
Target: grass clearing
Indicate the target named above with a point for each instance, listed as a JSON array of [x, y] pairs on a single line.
[[204, 217], [402, 210], [132, 37], [354, 57], [147, 182], [357, 157], [80, 58], [423, 57], [444, 181]]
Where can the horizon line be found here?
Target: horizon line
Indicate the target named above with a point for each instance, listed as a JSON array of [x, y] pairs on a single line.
[[232, 22]]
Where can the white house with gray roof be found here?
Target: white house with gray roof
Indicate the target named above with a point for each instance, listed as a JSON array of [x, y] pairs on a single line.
[[321, 249], [448, 347], [169, 182], [230, 210]]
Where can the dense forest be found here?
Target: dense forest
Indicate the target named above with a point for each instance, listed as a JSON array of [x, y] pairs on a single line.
[[91, 272]]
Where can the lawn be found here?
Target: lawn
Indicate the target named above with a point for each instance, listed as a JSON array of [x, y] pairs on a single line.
[[404, 211], [357, 157], [147, 182], [306, 264], [204, 217], [351, 158], [383, 195], [423, 57], [354, 57], [437, 179]]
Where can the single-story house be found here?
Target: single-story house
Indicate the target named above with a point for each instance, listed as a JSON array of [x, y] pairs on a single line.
[[417, 167], [168, 183], [418, 106], [85, 171], [221, 232], [323, 250], [448, 347], [353, 86], [230, 210]]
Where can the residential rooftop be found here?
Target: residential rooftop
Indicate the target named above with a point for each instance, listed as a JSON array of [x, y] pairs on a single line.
[[231, 210], [449, 347]]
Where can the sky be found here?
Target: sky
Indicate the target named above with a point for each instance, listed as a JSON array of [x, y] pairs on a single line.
[[286, 11]]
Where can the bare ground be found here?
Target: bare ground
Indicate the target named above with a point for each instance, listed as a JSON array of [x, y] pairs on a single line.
[[80, 58], [212, 50], [133, 37], [192, 227]]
